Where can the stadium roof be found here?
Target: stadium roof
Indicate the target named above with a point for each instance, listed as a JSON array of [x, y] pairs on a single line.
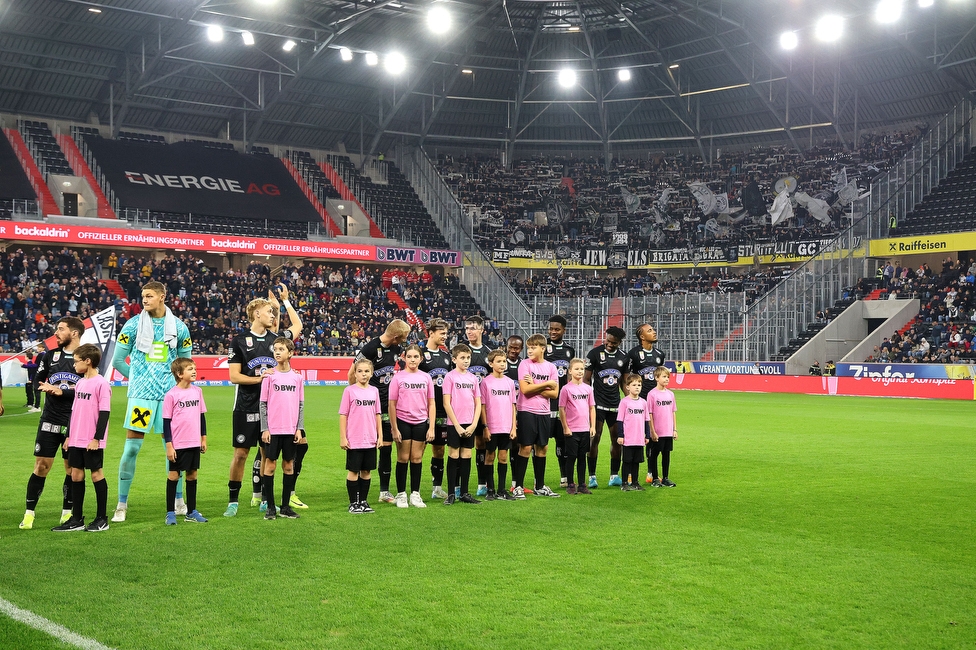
[[702, 71]]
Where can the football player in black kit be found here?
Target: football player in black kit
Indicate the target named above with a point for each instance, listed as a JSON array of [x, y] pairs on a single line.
[[383, 352], [644, 358], [437, 362], [55, 376], [605, 367], [559, 354], [474, 330], [513, 350], [250, 358]]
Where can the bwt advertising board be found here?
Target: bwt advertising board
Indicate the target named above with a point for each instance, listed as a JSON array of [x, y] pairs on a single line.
[[186, 177]]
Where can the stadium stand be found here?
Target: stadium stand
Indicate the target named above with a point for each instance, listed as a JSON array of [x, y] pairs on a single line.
[[314, 176], [44, 148], [950, 207], [140, 137]]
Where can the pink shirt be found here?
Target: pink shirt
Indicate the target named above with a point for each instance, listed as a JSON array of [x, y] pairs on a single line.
[[575, 401], [183, 406], [662, 406], [541, 372], [633, 413], [91, 396], [360, 406], [463, 388], [412, 392], [497, 398], [284, 393]]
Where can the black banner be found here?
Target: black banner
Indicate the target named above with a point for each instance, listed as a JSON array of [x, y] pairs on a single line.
[[188, 178], [14, 183]]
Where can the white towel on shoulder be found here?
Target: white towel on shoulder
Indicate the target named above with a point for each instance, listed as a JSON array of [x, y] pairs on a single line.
[[145, 335]]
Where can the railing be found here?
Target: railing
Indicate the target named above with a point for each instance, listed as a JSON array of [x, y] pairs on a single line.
[[898, 191], [151, 219], [495, 295], [17, 208], [96, 171]]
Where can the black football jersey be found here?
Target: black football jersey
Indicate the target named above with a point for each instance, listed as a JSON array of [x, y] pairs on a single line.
[[437, 364], [512, 372], [560, 356], [255, 355], [643, 362], [384, 366], [57, 368], [608, 369], [479, 361]]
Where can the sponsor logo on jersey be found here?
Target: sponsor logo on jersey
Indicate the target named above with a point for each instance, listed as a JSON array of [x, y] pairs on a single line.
[[414, 386], [187, 343], [287, 388], [124, 339], [140, 417], [581, 397], [263, 362], [190, 403], [383, 375], [365, 402], [609, 376], [64, 380], [633, 411]]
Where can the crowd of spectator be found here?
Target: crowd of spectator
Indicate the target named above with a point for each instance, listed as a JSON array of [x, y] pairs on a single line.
[[341, 306], [945, 329], [591, 206]]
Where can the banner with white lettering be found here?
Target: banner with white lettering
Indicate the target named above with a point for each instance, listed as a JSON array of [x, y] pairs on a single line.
[[185, 177], [733, 367]]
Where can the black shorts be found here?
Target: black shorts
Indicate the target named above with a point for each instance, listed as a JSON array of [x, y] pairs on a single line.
[[455, 441], [247, 429], [387, 430], [81, 458], [409, 431], [499, 442], [610, 417], [440, 432], [577, 445], [665, 443], [280, 445], [186, 460], [361, 460], [533, 428], [50, 438], [632, 454]]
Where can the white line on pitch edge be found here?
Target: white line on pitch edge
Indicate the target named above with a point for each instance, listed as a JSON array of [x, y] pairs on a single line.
[[59, 632]]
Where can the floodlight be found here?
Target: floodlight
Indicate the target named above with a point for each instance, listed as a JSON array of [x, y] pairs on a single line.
[[623, 75], [888, 11], [371, 58], [829, 28], [248, 38], [289, 45], [394, 63], [924, 4], [215, 33], [94, 10], [788, 40], [567, 78], [345, 53], [673, 66], [438, 19]]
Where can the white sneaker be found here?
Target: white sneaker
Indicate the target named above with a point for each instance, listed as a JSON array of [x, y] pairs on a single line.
[[180, 507], [438, 493], [544, 491], [401, 500], [563, 482], [33, 409], [386, 497], [120, 511], [416, 501]]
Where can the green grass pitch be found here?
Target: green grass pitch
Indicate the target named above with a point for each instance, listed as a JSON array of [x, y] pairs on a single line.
[[798, 522]]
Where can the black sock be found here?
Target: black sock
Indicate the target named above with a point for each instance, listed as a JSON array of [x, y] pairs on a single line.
[[652, 463], [267, 484], [234, 488], [191, 494], [480, 464], [591, 464], [665, 463], [502, 475], [415, 470], [300, 451], [465, 472], [66, 493], [560, 453], [581, 468], [287, 487], [101, 498], [490, 477], [364, 489], [171, 494], [35, 485], [437, 471], [257, 481], [539, 468], [401, 477], [519, 464], [352, 487], [385, 466], [78, 499], [614, 466], [452, 474]]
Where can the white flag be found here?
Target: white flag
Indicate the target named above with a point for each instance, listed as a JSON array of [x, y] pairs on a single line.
[[782, 208]]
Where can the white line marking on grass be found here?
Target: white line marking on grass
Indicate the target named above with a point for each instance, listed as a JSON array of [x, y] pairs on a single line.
[[59, 632]]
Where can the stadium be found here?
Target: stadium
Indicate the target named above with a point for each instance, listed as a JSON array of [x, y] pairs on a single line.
[[213, 214]]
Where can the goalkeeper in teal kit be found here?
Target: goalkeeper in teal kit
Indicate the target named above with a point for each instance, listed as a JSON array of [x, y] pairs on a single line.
[[151, 341]]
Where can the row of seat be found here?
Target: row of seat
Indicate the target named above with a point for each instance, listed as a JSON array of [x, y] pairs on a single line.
[[950, 207], [39, 138]]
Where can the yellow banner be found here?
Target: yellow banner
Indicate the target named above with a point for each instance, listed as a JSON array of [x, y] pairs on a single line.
[[956, 241]]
